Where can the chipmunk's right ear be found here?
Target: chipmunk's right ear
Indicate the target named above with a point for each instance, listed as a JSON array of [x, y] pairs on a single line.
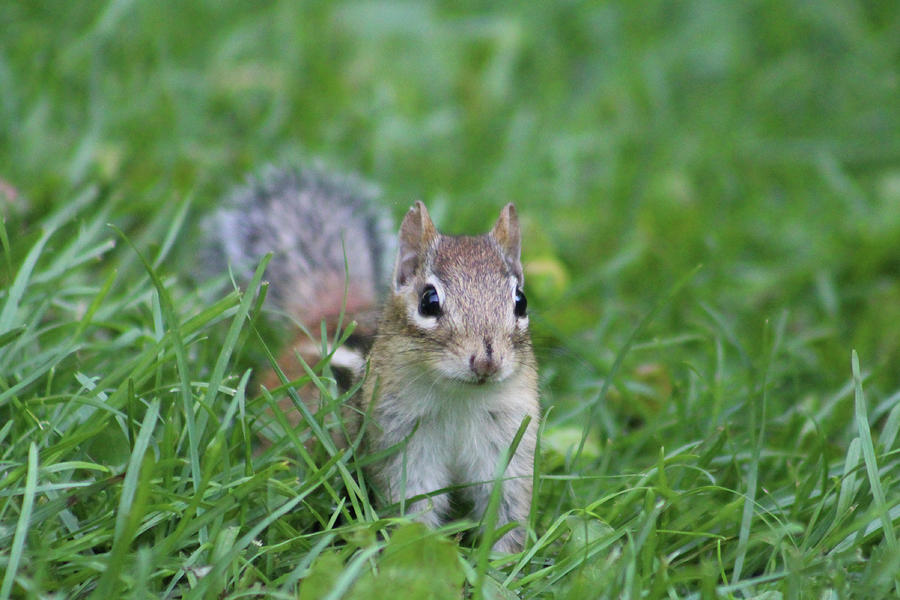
[[506, 234], [417, 232]]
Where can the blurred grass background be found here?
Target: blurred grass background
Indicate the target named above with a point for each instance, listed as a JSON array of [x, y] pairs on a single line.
[[760, 140]]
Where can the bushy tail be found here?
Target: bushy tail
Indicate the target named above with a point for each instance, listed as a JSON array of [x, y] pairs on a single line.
[[314, 223]]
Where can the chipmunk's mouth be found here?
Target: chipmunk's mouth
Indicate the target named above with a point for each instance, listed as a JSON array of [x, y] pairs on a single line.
[[485, 380], [460, 373], [470, 379]]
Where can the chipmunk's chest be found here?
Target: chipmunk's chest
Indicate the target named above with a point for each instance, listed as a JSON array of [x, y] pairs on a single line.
[[456, 429]]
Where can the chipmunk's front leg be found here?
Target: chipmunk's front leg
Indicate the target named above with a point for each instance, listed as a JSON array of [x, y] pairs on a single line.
[[408, 474], [515, 495]]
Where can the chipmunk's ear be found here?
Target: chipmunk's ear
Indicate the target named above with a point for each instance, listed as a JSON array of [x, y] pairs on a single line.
[[417, 232], [506, 234]]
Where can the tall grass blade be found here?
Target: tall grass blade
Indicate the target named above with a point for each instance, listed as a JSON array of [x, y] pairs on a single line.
[[130, 510], [623, 352], [868, 450], [15, 292], [756, 422], [22, 526], [175, 335]]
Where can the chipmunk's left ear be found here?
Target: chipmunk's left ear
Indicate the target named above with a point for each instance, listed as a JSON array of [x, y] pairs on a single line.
[[506, 234], [417, 234]]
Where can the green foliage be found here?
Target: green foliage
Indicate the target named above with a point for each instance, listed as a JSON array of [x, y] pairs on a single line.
[[414, 563], [707, 433]]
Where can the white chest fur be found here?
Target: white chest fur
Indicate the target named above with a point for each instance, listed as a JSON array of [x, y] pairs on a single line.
[[455, 430]]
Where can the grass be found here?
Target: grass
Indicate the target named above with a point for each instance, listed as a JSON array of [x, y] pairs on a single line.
[[710, 196]]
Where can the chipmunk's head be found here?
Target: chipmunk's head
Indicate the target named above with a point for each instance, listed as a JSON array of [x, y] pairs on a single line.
[[461, 298]]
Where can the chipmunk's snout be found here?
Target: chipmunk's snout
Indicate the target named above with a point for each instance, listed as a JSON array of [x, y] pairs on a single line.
[[484, 363]]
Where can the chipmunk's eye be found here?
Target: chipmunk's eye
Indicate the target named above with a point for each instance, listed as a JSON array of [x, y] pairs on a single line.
[[430, 302], [521, 304]]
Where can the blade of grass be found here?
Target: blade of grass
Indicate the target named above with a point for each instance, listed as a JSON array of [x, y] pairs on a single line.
[[202, 590], [623, 352], [490, 512], [95, 305], [17, 289], [231, 339], [130, 509], [298, 572], [889, 431], [756, 421], [11, 334], [352, 570], [848, 481], [321, 434], [865, 437], [4, 243], [172, 233], [168, 309], [23, 524]]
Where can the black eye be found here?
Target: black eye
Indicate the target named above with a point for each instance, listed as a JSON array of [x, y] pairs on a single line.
[[429, 302], [521, 304]]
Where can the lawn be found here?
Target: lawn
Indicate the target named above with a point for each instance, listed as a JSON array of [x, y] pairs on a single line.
[[710, 200]]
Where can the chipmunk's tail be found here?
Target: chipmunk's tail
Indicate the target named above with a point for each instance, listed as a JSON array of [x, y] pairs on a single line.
[[331, 243]]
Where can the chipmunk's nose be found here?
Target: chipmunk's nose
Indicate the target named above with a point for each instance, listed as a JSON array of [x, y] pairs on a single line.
[[484, 364]]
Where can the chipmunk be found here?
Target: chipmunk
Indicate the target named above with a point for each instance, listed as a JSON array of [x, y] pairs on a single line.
[[452, 375]]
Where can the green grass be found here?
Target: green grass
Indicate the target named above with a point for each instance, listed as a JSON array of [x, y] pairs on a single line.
[[709, 432]]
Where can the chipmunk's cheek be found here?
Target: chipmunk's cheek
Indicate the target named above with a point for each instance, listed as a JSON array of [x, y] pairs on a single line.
[[507, 369], [452, 367]]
